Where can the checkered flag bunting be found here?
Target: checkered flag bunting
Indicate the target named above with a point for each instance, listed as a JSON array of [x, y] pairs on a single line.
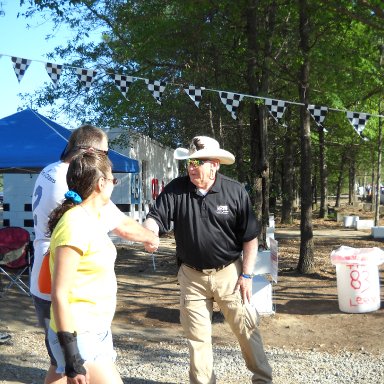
[[156, 87], [195, 93], [123, 83], [231, 102], [318, 113], [276, 108], [358, 121], [20, 66], [54, 71], [86, 77]]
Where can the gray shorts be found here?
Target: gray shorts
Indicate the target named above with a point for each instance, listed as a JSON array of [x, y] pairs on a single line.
[[93, 347], [42, 309]]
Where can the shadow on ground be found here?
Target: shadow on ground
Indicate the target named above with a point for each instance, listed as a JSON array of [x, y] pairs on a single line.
[[15, 373], [133, 380]]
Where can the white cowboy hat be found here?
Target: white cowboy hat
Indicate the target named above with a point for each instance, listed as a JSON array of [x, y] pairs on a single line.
[[203, 147]]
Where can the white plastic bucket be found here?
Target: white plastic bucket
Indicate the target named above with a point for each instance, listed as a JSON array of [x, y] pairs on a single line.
[[349, 221], [262, 295], [358, 287]]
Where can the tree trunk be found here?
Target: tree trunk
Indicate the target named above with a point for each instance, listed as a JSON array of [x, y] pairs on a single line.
[[257, 185], [239, 153], [314, 186], [323, 176], [373, 182], [287, 182], [306, 261], [378, 183], [340, 179], [379, 149], [254, 127], [211, 122], [275, 180], [259, 114], [265, 180], [352, 181]]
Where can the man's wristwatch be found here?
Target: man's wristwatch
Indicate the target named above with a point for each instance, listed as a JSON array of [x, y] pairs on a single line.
[[246, 276]]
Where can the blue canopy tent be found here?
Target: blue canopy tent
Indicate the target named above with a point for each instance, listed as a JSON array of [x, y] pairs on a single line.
[[30, 141]]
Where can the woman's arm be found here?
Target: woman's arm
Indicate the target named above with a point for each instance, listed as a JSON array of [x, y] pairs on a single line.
[[130, 229], [65, 266]]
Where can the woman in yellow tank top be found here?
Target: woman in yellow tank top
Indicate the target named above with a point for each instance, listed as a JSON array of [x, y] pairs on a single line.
[[84, 287]]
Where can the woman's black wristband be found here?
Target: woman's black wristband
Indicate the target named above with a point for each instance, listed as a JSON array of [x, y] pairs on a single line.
[[73, 360]]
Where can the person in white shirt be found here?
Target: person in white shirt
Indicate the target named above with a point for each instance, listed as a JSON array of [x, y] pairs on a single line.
[[48, 193]]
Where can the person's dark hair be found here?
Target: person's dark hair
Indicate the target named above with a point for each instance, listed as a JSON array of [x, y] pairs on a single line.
[[85, 136], [84, 171]]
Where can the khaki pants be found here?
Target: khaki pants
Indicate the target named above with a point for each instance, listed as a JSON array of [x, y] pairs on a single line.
[[198, 291]]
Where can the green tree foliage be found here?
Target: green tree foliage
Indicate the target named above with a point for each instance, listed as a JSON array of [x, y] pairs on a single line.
[[245, 46], [204, 43]]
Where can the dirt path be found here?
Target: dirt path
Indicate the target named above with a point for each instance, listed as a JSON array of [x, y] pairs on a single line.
[[307, 315]]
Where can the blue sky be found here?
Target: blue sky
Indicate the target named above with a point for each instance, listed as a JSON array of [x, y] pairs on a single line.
[[29, 43]]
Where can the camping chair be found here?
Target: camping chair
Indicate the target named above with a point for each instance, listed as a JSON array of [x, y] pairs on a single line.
[[15, 258]]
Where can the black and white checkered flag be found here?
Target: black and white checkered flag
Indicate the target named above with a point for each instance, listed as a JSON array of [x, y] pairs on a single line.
[[86, 77], [318, 113], [276, 108], [123, 83], [231, 102], [358, 121], [195, 93], [20, 66], [54, 71], [156, 87]]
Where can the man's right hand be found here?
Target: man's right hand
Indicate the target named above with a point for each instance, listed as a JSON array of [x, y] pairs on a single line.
[[152, 246]]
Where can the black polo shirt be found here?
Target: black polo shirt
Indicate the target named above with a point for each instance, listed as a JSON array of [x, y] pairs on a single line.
[[209, 230]]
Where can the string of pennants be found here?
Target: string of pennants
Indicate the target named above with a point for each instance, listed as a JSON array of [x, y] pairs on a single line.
[[230, 100]]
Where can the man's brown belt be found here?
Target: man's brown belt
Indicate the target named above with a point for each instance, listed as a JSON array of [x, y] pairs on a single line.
[[211, 269]]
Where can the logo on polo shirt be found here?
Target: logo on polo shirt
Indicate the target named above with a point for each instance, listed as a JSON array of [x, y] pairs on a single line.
[[222, 210]]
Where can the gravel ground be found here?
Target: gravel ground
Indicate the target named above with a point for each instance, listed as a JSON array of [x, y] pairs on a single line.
[[316, 343], [141, 362]]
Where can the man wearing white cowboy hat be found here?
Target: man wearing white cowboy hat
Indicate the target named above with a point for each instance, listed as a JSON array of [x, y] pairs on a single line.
[[214, 226]]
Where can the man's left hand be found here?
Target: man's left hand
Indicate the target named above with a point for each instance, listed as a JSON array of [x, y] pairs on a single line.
[[245, 286]]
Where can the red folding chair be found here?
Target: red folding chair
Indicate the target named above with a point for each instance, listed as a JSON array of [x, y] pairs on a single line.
[[16, 254]]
